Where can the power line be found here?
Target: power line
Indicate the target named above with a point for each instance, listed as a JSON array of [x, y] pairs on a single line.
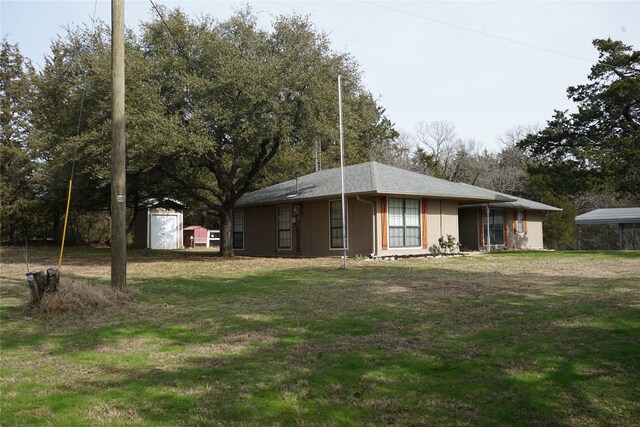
[[155, 7], [482, 33]]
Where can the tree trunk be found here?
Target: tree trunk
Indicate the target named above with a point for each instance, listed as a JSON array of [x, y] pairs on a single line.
[[40, 282], [13, 232], [56, 228], [226, 233]]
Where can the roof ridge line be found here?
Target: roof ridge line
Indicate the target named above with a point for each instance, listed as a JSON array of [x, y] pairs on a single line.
[[374, 175]]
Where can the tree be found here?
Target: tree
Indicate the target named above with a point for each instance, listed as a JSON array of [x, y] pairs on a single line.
[[397, 152], [214, 109], [16, 167], [71, 113], [437, 142], [597, 147], [251, 104]]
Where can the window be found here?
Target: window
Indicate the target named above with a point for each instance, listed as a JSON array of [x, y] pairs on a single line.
[[238, 229], [496, 226], [520, 222], [335, 224], [284, 227], [404, 223]]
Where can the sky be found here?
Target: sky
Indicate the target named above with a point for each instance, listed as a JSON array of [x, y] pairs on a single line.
[[484, 66]]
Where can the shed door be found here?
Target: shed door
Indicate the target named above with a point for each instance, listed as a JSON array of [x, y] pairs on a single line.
[[164, 232]]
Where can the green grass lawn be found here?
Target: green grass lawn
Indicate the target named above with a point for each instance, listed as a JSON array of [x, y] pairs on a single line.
[[503, 339]]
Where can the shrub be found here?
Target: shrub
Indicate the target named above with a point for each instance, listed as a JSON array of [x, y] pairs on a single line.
[[448, 245]]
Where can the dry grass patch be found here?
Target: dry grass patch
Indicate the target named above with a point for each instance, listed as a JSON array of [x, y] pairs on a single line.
[[76, 296], [534, 339]]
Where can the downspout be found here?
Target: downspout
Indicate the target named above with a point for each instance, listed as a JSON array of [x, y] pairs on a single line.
[[374, 228]]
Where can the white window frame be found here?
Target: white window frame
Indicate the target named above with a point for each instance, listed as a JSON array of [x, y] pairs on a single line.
[[520, 215], [346, 211], [419, 226], [290, 229], [233, 229]]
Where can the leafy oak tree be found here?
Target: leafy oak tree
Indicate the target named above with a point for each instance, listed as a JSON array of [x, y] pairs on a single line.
[[214, 110], [252, 104], [71, 115]]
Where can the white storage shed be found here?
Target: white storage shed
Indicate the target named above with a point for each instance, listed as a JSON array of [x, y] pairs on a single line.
[[158, 224]]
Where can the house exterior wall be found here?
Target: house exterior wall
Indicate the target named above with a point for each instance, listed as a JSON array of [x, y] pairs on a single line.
[[441, 217], [369, 233], [534, 222], [472, 238], [260, 230], [468, 224], [361, 232]]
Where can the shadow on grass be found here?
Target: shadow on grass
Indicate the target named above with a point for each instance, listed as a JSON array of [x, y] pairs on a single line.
[[381, 345]]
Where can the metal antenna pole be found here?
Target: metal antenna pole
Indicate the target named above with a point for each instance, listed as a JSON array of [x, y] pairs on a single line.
[[118, 152], [344, 218]]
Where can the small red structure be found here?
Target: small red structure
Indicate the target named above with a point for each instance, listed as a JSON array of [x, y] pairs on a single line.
[[195, 235]]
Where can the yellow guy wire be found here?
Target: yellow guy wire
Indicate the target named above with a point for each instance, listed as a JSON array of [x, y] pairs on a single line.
[[64, 229], [75, 150]]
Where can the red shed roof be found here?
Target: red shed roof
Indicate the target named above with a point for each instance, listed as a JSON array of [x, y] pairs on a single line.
[[194, 227]]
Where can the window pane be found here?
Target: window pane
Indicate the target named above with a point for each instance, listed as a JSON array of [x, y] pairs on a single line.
[[238, 220], [238, 229], [520, 222], [284, 227], [396, 211], [284, 239], [496, 216], [336, 243], [396, 237], [335, 224], [412, 236], [284, 218], [496, 227], [412, 213], [336, 214], [336, 238], [237, 240]]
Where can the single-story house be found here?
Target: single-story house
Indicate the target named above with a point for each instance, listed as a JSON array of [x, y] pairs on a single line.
[[512, 225], [390, 211]]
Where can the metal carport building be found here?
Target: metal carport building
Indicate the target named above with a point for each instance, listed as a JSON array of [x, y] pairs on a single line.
[[624, 217]]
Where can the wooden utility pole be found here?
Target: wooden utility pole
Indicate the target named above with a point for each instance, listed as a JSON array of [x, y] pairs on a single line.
[[118, 151]]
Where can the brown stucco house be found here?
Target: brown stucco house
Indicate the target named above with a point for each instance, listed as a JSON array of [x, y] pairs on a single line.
[[516, 224], [390, 211]]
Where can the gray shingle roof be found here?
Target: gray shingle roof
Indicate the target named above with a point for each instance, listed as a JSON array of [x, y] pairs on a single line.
[[520, 203], [369, 178], [610, 216]]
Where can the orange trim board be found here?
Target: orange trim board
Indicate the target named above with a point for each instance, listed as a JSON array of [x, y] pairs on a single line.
[[383, 221], [505, 226]]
